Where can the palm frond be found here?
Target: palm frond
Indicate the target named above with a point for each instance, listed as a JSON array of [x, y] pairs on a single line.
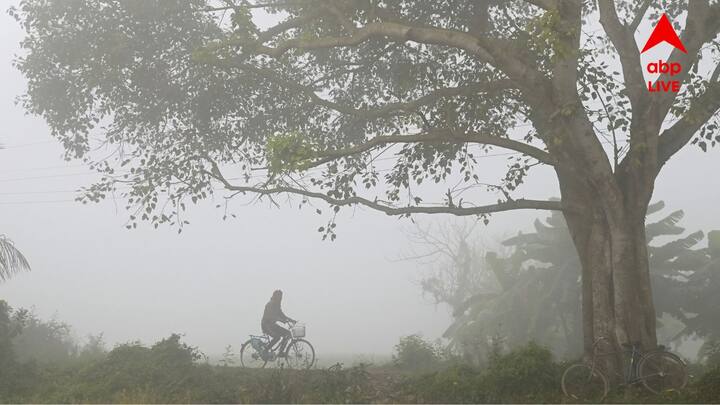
[[522, 239], [674, 248], [655, 207], [11, 260], [666, 226]]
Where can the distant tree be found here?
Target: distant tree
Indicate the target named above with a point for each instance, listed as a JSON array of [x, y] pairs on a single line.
[[94, 348], [534, 292], [11, 260], [8, 331], [43, 341], [27, 339], [187, 102]]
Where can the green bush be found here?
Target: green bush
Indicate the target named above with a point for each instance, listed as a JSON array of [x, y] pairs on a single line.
[[710, 353], [526, 374], [164, 368], [707, 388], [415, 353], [456, 384]]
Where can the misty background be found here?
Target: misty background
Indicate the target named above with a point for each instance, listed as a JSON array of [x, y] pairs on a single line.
[[212, 281]]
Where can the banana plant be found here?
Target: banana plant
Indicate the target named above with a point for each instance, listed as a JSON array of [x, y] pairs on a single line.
[[533, 293]]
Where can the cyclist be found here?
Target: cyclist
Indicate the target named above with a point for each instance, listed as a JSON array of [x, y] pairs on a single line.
[[273, 314]]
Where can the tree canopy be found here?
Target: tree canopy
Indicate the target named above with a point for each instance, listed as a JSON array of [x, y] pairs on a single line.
[[357, 102]]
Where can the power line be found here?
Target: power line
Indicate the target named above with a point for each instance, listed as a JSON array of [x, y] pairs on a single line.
[[36, 202], [37, 169], [41, 192], [25, 145], [53, 176]]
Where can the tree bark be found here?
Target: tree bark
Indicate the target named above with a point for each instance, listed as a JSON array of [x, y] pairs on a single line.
[[616, 298]]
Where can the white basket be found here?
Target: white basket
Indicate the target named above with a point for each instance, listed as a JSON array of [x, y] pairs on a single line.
[[298, 331]]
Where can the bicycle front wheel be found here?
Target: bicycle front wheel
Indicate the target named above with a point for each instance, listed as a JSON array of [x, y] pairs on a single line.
[[662, 371], [250, 357], [584, 383], [300, 354]]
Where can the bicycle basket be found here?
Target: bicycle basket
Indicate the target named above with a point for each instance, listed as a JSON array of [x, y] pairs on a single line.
[[257, 344], [298, 331]]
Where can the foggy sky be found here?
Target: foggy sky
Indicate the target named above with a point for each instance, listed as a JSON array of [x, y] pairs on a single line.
[[212, 282]]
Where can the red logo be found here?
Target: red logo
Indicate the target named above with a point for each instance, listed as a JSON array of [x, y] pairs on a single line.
[[664, 32]]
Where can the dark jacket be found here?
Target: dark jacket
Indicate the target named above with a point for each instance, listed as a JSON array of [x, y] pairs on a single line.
[[273, 313]]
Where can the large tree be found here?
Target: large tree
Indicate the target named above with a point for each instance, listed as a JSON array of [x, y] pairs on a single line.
[[191, 96]]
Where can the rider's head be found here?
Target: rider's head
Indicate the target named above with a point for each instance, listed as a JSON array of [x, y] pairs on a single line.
[[277, 295]]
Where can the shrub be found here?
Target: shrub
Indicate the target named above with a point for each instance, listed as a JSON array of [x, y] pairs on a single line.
[[456, 384], [708, 387], [133, 369], [526, 374], [415, 353], [710, 353]]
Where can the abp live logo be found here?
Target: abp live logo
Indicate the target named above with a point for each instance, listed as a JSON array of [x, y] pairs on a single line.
[[664, 32]]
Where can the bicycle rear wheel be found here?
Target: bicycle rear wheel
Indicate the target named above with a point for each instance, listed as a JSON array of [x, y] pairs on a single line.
[[584, 383], [299, 354], [250, 357], [662, 371]]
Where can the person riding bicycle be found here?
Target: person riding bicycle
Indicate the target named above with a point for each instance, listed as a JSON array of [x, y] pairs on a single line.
[[273, 314]]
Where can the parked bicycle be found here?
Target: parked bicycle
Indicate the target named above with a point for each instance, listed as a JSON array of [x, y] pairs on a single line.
[[658, 371], [298, 352]]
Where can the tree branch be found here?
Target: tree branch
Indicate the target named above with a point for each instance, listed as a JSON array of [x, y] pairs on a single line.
[[250, 6], [369, 113], [544, 4], [639, 15], [624, 41], [676, 137], [439, 136], [511, 205], [489, 51], [703, 24]]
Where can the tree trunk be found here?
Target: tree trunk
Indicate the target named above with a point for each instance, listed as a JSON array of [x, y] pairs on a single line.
[[616, 297]]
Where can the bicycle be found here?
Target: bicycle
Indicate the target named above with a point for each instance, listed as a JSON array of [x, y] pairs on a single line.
[[298, 352], [658, 370]]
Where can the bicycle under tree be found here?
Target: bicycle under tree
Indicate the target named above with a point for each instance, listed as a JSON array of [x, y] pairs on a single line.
[[298, 353], [657, 370]]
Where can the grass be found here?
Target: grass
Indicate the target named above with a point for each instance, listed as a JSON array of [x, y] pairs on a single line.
[[170, 372]]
